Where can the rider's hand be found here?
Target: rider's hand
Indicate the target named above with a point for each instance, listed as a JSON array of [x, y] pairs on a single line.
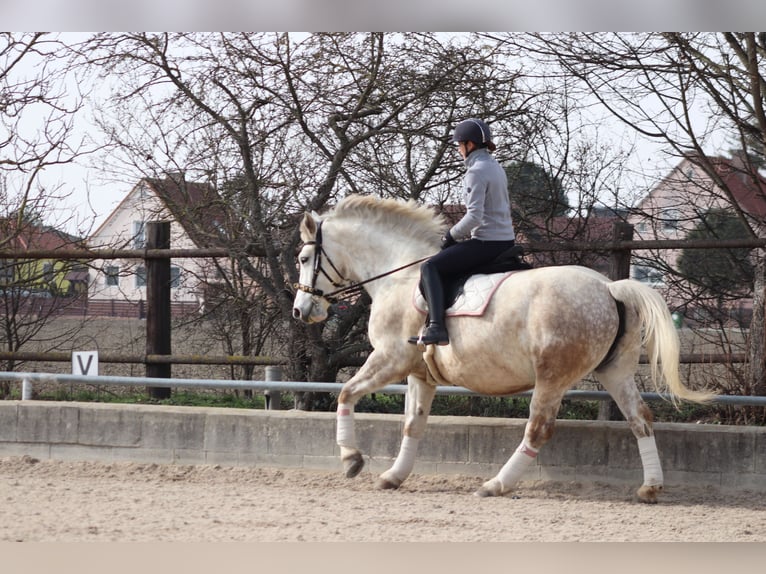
[[447, 240]]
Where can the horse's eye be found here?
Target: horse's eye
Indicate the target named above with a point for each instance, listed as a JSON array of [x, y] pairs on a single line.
[[303, 260]]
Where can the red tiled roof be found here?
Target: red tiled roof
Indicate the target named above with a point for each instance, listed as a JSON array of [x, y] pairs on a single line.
[[34, 236], [197, 207], [750, 194]]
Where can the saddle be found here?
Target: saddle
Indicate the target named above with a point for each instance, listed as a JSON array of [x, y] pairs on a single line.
[[509, 260]]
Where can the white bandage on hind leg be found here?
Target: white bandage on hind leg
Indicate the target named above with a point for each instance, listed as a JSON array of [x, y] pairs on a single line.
[[405, 461], [647, 448], [345, 431], [513, 470]]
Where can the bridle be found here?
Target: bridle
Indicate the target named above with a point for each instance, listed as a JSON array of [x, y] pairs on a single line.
[[342, 286], [319, 251]]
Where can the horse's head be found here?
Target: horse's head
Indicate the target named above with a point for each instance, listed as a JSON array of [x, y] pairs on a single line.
[[310, 304], [388, 235]]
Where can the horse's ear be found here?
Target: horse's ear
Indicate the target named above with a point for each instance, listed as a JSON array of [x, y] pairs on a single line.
[[308, 227]]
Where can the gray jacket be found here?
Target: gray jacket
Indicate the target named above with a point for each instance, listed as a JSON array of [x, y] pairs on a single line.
[[485, 193]]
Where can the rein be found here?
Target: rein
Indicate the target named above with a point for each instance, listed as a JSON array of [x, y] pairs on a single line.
[[341, 289]]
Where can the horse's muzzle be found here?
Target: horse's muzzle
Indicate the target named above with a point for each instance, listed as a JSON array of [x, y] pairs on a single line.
[[306, 315], [309, 309]]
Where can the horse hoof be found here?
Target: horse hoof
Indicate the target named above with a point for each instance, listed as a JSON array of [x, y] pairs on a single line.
[[648, 494], [387, 484], [489, 488], [353, 464]]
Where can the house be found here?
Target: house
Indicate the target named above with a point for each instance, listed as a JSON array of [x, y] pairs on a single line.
[[39, 278], [196, 218], [676, 206]]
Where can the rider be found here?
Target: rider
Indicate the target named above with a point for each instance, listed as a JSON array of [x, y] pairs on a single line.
[[486, 224]]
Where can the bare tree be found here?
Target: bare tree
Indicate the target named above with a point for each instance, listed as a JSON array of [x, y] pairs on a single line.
[[37, 115], [682, 89], [299, 122]]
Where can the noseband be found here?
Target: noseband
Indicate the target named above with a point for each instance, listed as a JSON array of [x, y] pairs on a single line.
[[349, 287]]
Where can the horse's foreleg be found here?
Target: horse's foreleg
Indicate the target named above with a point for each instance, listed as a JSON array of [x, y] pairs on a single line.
[[350, 455], [539, 428], [377, 372], [420, 396]]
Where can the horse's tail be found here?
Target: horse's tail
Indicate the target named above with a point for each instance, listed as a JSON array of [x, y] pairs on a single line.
[[659, 337]]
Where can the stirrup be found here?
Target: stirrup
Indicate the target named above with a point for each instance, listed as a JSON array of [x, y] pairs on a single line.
[[433, 334]]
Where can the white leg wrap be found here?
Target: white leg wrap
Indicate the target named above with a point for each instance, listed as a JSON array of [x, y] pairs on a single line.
[[405, 461], [345, 430], [647, 448], [512, 471]]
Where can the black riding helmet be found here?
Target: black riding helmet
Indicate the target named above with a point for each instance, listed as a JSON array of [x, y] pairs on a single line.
[[473, 130]]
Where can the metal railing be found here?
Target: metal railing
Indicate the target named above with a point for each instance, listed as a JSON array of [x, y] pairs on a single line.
[[274, 385]]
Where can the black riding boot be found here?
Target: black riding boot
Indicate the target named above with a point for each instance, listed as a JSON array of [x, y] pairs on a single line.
[[435, 332]]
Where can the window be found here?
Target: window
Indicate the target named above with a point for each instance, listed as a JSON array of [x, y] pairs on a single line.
[[140, 276], [112, 273], [139, 235], [48, 272], [175, 277], [7, 272], [670, 219], [648, 275]]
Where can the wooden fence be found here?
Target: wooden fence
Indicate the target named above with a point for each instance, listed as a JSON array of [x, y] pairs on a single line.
[[156, 310]]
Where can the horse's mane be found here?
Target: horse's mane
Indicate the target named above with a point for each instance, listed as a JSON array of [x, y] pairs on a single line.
[[416, 220]]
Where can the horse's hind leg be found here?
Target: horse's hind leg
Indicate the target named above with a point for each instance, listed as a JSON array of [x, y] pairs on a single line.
[[420, 396], [543, 409], [622, 388]]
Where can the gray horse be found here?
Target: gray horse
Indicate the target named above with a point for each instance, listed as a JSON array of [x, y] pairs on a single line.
[[544, 329]]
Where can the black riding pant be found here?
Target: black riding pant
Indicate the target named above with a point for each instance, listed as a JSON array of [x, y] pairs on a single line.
[[461, 258]]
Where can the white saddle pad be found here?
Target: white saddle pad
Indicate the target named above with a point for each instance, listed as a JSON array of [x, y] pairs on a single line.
[[477, 292]]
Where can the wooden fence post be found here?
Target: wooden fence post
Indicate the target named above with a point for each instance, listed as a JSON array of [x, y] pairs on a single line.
[[158, 305], [619, 261], [619, 268]]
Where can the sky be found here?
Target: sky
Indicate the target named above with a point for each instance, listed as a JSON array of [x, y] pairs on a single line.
[[443, 15]]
